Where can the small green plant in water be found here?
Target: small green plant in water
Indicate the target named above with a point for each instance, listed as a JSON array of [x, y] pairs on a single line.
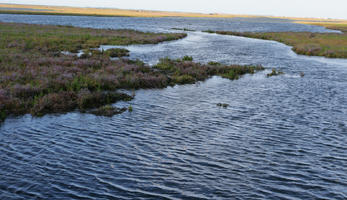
[[223, 105], [274, 72], [107, 111], [130, 109], [2, 116]]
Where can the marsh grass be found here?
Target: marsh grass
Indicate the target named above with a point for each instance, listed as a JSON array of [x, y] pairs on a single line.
[[36, 78], [185, 71], [49, 38], [107, 111], [117, 52], [331, 45]]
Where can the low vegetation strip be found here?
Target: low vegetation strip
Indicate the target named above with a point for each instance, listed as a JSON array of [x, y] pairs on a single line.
[[37, 78], [331, 45], [47, 38]]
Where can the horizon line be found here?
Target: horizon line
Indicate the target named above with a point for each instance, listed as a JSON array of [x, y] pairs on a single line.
[[228, 15]]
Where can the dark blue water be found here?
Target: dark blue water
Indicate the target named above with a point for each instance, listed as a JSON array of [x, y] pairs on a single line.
[[282, 137]]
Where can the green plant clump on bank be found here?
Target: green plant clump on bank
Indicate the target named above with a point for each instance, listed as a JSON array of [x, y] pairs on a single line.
[[107, 111], [117, 52]]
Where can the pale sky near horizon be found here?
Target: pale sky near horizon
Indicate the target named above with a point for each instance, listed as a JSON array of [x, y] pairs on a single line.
[[290, 8]]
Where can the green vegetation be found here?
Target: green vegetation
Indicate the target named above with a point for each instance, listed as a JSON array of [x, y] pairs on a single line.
[[53, 39], [185, 71], [331, 45], [37, 78], [274, 72], [107, 111], [117, 52], [130, 108], [187, 58], [331, 25]]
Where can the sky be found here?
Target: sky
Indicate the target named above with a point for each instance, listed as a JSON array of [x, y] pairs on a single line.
[[291, 8]]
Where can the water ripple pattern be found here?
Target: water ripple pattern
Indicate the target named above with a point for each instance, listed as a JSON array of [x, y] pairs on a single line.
[[282, 137]]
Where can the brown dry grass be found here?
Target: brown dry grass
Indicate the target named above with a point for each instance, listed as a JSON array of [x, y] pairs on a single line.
[[64, 10]]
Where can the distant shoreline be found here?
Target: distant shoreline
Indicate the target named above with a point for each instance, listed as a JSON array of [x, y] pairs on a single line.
[[104, 12], [329, 45], [114, 12]]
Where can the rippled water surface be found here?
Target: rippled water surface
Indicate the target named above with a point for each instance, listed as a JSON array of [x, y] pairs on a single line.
[[282, 137]]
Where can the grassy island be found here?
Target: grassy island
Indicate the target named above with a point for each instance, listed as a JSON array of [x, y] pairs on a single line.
[[37, 78], [331, 45]]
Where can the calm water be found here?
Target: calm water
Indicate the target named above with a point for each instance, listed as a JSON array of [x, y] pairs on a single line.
[[282, 137]]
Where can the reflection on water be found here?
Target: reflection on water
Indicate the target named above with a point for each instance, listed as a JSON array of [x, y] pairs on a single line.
[[282, 137]]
